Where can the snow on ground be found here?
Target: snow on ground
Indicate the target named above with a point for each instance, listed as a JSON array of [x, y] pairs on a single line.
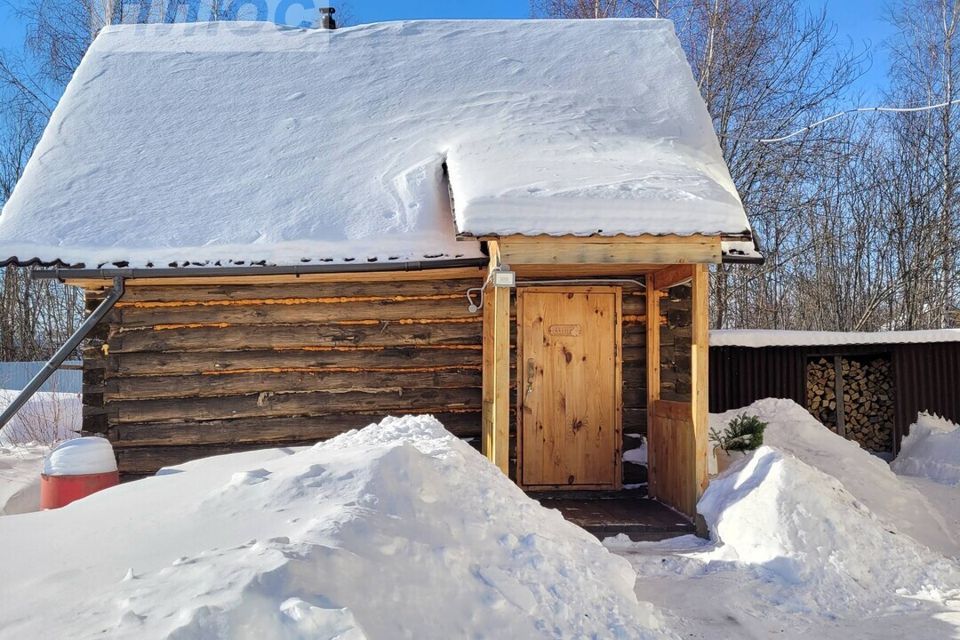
[[399, 530], [812, 536], [637, 455], [868, 478], [20, 467], [364, 535], [47, 418], [931, 450]]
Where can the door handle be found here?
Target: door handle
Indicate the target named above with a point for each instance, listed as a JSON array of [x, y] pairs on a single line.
[[531, 372]]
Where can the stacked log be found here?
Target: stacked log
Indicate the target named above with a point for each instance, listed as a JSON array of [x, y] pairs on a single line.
[[821, 392], [866, 413]]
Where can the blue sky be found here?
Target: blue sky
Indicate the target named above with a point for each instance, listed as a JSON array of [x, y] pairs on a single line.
[[862, 21]]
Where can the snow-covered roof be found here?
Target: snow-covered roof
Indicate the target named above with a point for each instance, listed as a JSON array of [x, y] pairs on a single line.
[[249, 142], [770, 338]]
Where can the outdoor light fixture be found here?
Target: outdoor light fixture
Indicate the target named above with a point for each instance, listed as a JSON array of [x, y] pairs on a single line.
[[506, 279], [500, 277]]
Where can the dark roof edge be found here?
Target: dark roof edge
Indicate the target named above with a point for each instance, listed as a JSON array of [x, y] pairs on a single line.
[[68, 273], [738, 259]]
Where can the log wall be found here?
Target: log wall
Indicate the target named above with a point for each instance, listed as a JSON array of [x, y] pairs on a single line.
[[676, 324], [176, 373], [180, 372]]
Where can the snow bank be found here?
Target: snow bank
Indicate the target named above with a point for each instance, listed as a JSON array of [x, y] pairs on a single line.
[[793, 431], [931, 450], [397, 530], [47, 418], [20, 467], [331, 146], [805, 528], [80, 456], [810, 526]]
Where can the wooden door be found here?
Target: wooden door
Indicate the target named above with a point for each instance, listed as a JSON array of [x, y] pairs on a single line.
[[569, 387]]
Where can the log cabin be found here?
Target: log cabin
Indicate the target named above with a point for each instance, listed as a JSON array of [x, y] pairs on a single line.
[[283, 234]]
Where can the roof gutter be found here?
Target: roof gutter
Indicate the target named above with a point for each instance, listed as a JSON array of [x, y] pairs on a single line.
[[64, 352], [735, 259], [68, 273]]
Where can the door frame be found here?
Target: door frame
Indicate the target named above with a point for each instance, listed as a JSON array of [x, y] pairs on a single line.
[[617, 483]]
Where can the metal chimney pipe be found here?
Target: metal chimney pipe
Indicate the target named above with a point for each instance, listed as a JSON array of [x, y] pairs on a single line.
[[326, 18]]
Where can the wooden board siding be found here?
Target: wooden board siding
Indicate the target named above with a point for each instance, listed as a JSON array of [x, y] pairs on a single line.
[[672, 454], [180, 372], [569, 381], [634, 375]]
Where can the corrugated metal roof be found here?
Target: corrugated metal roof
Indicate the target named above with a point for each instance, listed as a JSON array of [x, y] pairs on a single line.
[[757, 338]]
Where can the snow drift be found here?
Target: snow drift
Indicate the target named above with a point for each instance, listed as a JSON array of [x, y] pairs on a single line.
[[397, 530], [827, 520], [931, 450], [801, 525], [794, 432], [20, 467], [48, 417], [812, 527]]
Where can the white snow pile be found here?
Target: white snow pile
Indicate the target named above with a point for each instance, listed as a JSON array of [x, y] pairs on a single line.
[[793, 431], [637, 455], [20, 467], [47, 418], [399, 530], [345, 145], [931, 450], [81, 456], [827, 529]]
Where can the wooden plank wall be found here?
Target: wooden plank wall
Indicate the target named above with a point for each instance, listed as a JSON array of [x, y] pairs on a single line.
[[634, 328], [180, 372], [672, 453]]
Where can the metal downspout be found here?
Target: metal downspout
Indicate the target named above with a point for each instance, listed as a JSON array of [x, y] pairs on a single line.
[[64, 352]]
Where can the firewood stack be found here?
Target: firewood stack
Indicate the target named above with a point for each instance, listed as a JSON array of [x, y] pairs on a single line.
[[821, 394], [867, 399]]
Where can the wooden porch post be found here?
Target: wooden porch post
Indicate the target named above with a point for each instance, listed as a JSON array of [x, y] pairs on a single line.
[[699, 375], [653, 379], [496, 371]]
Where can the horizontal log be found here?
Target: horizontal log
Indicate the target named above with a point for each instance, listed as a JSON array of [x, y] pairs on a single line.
[[292, 404], [334, 358], [190, 363], [441, 307], [142, 461], [266, 431], [296, 336], [289, 380], [222, 292], [635, 420]]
